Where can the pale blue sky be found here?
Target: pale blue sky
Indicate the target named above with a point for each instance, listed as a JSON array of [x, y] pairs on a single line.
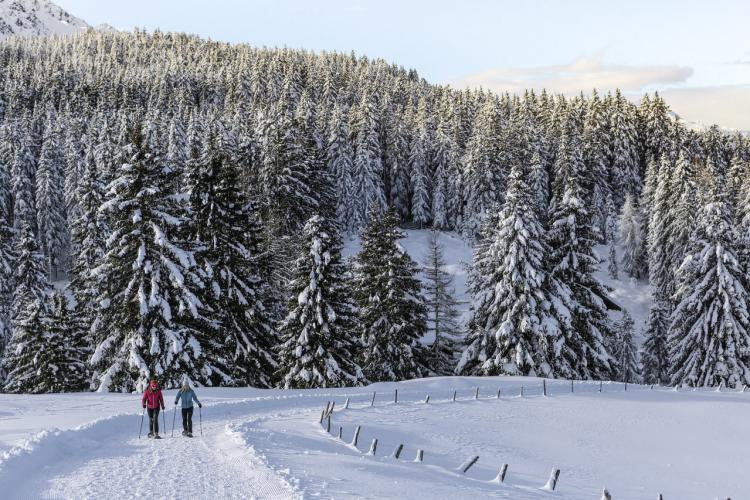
[[687, 49]]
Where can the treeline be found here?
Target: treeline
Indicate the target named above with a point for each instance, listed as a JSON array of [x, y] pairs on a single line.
[[174, 181]]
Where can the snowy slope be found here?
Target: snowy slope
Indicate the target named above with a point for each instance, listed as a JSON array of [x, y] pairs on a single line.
[[36, 17], [270, 444]]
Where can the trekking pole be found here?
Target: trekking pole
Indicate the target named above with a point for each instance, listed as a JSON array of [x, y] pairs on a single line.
[[200, 417], [164, 419], [140, 430], [174, 416]]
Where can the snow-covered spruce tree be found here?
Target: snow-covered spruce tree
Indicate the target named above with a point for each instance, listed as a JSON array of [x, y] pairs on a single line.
[[150, 324], [319, 341], [709, 337], [624, 166], [442, 312], [610, 236], [582, 352], [340, 167], [632, 239], [50, 202], [625, 351], [29, 315], [509, 329], [655, 352], [7, 261], [418, 164], [484, 176], [392, 314], [224, 226], [368, 163], [22, 184]]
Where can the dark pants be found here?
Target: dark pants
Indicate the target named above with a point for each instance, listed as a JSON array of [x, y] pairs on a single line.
[[153, 418], [187, 419]]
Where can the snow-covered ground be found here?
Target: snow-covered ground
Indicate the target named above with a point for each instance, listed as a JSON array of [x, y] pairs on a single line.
[[270, 444]]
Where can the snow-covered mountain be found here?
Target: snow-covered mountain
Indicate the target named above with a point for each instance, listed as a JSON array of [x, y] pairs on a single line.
[[35, 18]]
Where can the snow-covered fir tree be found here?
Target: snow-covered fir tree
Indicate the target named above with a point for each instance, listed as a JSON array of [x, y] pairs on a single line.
[[625, 350], [225, 230], [27, 352], [511, 331], [151, 322], [709, 336], [442, 311], [655, 353], [611, 237], [319, 343], [582, 350], [392, 313], [632, 239]]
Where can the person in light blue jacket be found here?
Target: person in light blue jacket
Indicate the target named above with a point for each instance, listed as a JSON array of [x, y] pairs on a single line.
[[187, 395]]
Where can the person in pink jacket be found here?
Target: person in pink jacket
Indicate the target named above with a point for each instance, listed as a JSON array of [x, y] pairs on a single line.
[[153, 401]]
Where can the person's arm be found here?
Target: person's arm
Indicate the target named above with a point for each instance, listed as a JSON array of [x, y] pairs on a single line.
[[195, 398], [177, 398]]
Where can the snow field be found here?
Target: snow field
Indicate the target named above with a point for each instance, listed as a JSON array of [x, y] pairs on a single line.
[[270, 443]]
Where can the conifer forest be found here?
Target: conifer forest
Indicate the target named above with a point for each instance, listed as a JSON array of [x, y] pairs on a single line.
[[175, 207]]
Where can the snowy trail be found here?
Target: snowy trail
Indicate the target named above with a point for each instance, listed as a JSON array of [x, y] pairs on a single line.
[[106, 458]]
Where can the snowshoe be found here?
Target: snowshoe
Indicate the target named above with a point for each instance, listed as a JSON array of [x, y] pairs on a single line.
[[150, 434], [184, 433], [157, 437], [189, 434]]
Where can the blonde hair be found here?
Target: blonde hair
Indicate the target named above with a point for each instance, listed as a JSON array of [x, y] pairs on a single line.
[[185, 386]]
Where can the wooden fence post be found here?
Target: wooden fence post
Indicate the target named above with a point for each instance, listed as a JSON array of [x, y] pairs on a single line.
[[372, 403], [341, 431], [476, 393], [356, 435], [661, 497], [600, 386], [467, 465], [322, 416], [544, 387], [501, 475], [626, 387], [346, 405], [454, 395], [521, 393], [373, 447], [427, 399], [498, 393], [397, 453], [552, 482], [606, 495], [571, 387], [333, 405], [328, 427], [420, 456], [395, 396]]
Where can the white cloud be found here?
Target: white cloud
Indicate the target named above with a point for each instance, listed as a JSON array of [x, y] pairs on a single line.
[[728, 106], [583, 74]]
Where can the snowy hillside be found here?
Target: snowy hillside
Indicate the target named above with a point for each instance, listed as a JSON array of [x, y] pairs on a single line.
[[270, 443], [36, 17]]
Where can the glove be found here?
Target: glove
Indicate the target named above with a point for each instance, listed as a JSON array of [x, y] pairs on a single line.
[[200, 405], [175, 403], [144, 406], [163, 407]]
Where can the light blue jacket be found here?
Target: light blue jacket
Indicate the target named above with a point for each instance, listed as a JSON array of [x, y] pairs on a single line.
[[187, 398]]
